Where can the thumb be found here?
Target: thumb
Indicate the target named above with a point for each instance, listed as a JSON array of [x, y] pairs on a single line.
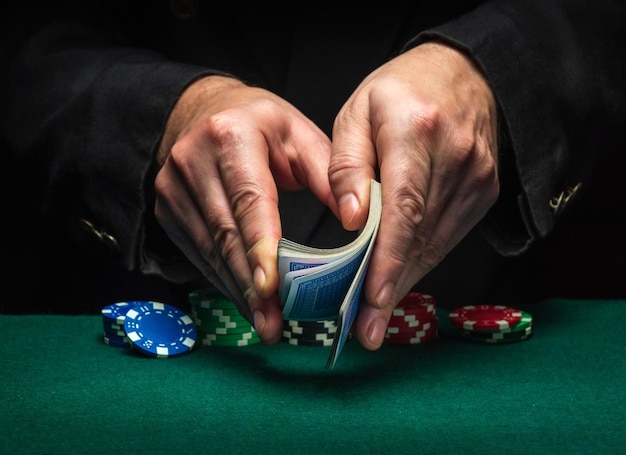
[[352, 165]]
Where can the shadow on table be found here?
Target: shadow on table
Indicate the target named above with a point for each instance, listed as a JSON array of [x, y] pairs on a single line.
[[302, 368]]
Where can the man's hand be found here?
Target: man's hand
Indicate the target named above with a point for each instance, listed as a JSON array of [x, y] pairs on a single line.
[[427, 121], [227, 150]]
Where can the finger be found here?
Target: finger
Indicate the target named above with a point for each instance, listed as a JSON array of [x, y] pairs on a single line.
[[268, 320], [456, 213], [192, 237], [243, 196], [199, 238], [251, 162], [371, 325], [353, 162], [406, 171], [301, 157], [168, 210], [476, 192], [218, 275]]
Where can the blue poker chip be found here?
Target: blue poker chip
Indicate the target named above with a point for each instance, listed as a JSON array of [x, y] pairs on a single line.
[[159, 330], [116, 312], [117, 342], [113, 323]]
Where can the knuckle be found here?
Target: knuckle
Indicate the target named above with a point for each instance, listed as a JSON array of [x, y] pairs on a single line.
[[181, 158], [426, 121], [160, 186], [463, 149], [487, 180], [341, 167], [179, 154], [466, 151], [243, 198], [485, 173], [221, 129], [226, 241], [411, 205], [431, 255]]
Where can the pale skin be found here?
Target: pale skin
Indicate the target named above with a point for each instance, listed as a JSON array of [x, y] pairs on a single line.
[[426, 120]]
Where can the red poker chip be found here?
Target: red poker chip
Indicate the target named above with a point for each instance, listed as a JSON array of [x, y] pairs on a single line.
[[485, 317], [414, 338], [411, 319], [417, 307], [413, 299], [417, 310], [408, 325], [405, 330]]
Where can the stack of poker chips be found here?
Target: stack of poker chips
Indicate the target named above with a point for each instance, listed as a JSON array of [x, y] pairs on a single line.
[[113, 324], [218, 321], [413, 321], [492, 323], [153, 329], [309, 333]]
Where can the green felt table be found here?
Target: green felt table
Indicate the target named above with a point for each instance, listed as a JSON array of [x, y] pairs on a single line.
[[63, 391]]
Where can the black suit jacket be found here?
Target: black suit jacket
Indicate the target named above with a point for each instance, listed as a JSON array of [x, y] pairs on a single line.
[[87, 88]]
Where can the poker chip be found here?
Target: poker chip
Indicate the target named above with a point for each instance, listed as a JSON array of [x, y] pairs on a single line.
[[293, 330], [221, 312], [413, 321], [224, 330], [498, 337], [417, 301], [221, 341], [309, 333], [408, 327], [229, 336], [426, 332], [311, 325], [218, 339], [211, 319], [509, 331], [119, 343], [115, 313], [218, 321], [210, 299], [159, 330], [417, 337], [395, 322], [234, 339], [208, 321], [414, 309], [524, 323], [314, 336], [485, 317], [300, 342], [113, 316]]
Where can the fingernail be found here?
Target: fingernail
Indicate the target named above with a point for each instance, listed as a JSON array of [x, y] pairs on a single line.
[[376, 331], [348, 208], [259, 321], [259, 279], [384, 295]]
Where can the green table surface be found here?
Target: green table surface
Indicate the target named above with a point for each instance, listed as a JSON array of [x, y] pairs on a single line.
[[63, 391]]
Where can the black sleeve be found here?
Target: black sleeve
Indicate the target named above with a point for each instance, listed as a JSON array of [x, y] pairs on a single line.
[[557, 69], [84, 112]]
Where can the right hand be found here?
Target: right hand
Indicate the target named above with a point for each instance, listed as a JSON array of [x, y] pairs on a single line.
[[427, 121], [226, 151]]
